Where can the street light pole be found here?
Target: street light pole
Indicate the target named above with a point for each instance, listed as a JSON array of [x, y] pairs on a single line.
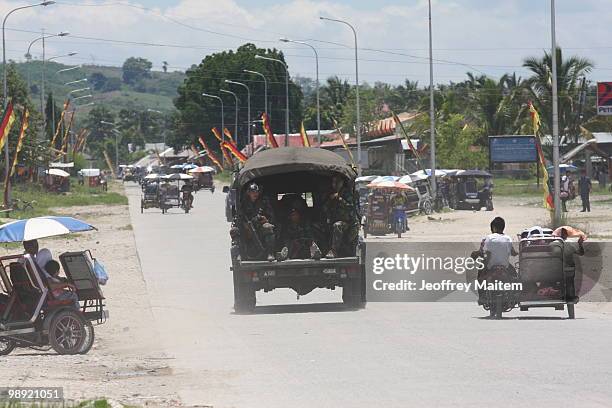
[[42, 85], [70, 54], [555, 118], [7, 195], [249, 138], [222, 122], [358, 131], [432, 118], [317, 83], [286, 94], [236, 114], [265, 86]]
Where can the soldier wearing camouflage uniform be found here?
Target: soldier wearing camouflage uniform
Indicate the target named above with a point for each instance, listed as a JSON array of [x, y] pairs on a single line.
[[257, 209], [340, 216], [297, 238]]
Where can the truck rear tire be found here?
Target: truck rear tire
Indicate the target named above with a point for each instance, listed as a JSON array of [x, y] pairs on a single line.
[[571, 311], [244, 298], [352, 293], [244, 294]]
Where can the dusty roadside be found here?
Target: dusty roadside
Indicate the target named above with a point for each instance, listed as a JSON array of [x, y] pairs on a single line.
[[126, 362], [519, 213]]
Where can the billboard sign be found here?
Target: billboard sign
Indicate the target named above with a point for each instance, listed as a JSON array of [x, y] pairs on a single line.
[[513, 149], [604, 98]]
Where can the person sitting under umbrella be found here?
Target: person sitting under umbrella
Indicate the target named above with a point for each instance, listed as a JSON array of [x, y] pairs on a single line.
[[49, 269]]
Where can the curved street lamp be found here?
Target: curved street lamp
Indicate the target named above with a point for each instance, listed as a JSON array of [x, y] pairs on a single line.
[[286, 93], [236, 114], [358, 130], [222, 121], [265, 80], [42, 87], [249, 138], [70, 54], [7, 195], [286, 40]]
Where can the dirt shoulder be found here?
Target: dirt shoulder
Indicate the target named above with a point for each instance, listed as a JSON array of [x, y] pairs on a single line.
[[126, 362], [519, 213]]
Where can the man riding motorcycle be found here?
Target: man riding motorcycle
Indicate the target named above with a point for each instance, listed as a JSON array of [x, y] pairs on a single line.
[[496, 248], [187, 194]]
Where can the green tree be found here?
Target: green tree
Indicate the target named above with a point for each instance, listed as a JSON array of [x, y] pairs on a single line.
[[136, 69], [199, 114], [457, 145], [539, 86], [34, 151], [101, 136], [97, 80]]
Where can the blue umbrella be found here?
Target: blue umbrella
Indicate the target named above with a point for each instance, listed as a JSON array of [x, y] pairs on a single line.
[[41, 227], [189, 166], [562, 168]]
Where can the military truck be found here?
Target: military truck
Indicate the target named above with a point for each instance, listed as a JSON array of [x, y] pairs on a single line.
[[284, 175]]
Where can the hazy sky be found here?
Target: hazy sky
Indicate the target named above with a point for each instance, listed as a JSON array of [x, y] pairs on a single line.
[[487, 36]]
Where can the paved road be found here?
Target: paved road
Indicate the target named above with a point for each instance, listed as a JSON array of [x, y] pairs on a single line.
[[311, 353]]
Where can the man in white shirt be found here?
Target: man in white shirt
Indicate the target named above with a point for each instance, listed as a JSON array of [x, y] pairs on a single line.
[[497, 246]]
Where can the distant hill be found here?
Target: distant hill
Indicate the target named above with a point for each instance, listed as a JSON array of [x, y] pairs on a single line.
[[107, 86]]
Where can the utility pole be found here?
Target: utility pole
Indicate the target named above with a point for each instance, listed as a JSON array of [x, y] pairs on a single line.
[[555, 118], [432, 113]]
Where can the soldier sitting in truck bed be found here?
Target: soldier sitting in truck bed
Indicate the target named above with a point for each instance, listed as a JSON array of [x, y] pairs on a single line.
[[257, 220], [340, 218], [297, 237]]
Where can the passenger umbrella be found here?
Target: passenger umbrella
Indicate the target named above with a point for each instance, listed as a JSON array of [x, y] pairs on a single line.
[[41, 227], [405, 179], [202, 169], [391, 185], [363, 179], [380, 179], [177, 176], [57, 172]]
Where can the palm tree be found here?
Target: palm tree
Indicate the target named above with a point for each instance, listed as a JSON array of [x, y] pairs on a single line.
[[539, 86]]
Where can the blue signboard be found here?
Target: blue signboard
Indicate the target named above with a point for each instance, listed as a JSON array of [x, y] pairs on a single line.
[[512, 149]]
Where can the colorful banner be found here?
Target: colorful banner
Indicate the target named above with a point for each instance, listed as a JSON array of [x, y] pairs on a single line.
[[269, 135], [78, 141], [217, 134], [535, 119], [7, 124], [83, 142], [60, 121], [25, 123], [348, 151], [67, 133], [549, 202], [196, 154], [228, 134], [211, 155], [226, 155], [234, 150], [305, 141]]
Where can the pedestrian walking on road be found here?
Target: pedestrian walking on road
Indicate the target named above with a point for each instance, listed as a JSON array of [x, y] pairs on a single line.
[[584, 186]]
